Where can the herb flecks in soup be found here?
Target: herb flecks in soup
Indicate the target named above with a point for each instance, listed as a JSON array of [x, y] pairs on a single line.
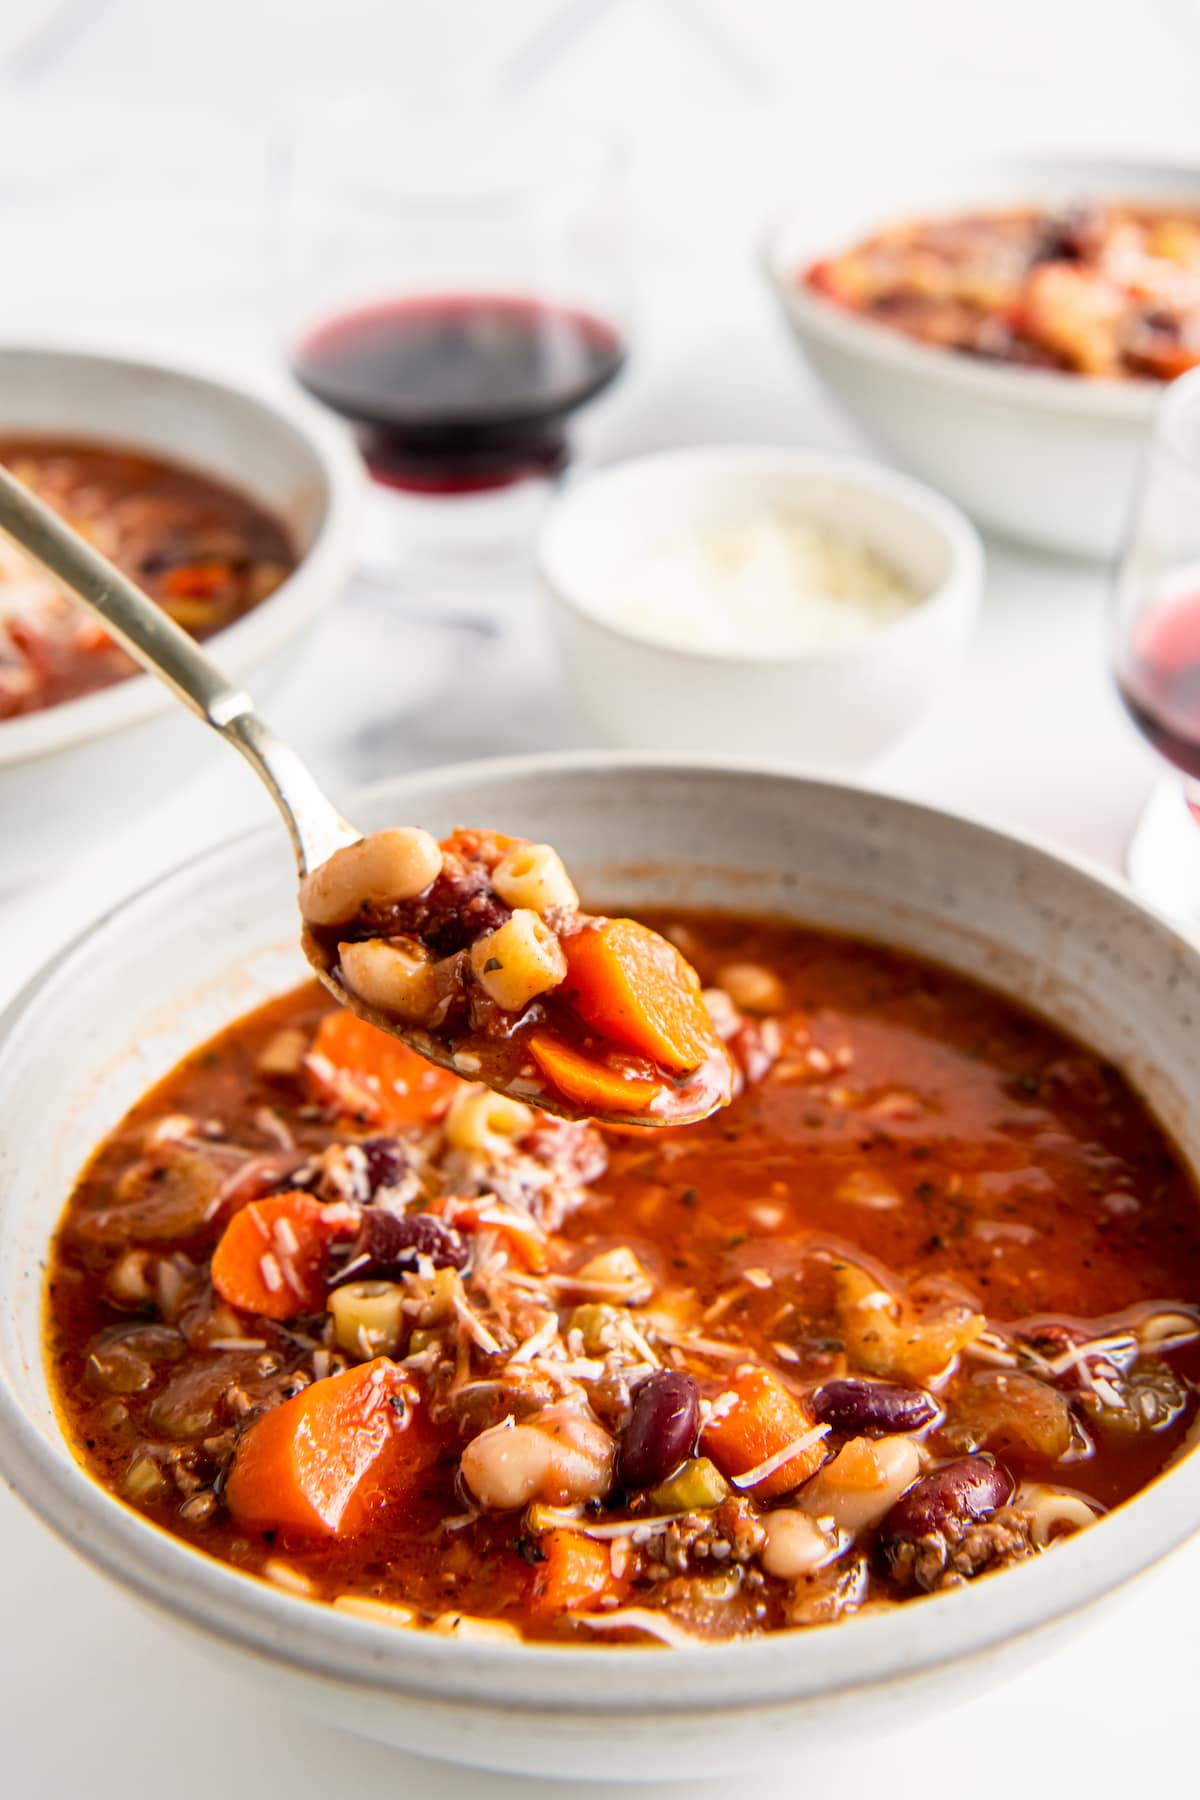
[[205, 553], [919, 1302], [1095, 290]]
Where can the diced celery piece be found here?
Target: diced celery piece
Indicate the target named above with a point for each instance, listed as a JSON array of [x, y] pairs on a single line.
[[696, 1487], [145, 1480], [595, 1324]]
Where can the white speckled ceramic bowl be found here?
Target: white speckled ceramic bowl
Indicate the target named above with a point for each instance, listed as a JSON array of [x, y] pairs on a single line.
[[186, 956], [67, 772], [1045, 457], [833, 709]]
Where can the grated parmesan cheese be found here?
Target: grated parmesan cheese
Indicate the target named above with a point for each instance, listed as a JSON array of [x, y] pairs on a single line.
[[774, 583], [768, 1466]]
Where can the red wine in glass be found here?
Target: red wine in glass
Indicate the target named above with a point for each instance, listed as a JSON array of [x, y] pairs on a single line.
[[1159, 680], [459, 393]]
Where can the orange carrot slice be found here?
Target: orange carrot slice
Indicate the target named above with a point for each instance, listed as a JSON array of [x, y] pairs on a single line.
[[521, 1235], [271, 1257], [371, 1077], [576, 1574], [635, 989], [197, 580], [323, 1463], [762, 1419], [590, 1084]]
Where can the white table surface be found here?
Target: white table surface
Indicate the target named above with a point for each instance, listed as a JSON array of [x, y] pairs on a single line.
[[96, 1698]]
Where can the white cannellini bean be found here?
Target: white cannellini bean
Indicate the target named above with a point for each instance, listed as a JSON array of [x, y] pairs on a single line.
[[752, 988], [533, 876], [518, 961], [399, 979], [387, 866], [507, 1466], [559, 1457], [478, 1119], [796, 1544], [856, 1495]]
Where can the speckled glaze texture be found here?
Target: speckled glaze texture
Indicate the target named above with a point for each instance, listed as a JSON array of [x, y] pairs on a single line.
[[214, 938]]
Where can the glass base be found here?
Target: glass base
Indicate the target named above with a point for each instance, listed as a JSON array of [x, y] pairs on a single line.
[[411, 537], [1163, 858]]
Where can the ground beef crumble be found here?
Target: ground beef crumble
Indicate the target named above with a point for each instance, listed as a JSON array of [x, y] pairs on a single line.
[[960, 1551]]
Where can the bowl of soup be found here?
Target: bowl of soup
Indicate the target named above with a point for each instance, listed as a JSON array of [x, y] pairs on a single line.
[[522, 1442], [235, 513], [1003, 328]]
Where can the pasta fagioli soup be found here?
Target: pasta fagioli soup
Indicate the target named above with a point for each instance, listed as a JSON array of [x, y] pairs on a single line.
[[922, 1301]]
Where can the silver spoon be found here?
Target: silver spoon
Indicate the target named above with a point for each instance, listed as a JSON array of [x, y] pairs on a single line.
[[162, 647]]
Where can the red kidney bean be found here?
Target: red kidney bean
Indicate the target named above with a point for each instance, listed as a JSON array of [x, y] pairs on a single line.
[[884, 1406], [958, 1493], [387, 1161], [388, 1245], [662, 1428]]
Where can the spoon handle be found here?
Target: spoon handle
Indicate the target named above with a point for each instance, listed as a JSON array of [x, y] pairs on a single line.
[[163, 648]]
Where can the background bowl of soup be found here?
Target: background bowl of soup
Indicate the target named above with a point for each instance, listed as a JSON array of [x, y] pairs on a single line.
[[67, 768], [208, 942], [1041, 455]]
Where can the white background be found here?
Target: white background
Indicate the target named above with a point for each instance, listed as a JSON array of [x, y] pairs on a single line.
[[133, 140]]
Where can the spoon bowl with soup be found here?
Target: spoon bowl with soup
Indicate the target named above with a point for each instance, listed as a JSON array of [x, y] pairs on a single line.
[[473, 952]]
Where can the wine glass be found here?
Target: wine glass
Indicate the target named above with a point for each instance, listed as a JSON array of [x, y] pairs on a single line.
[[1156, 650], [456, 288]]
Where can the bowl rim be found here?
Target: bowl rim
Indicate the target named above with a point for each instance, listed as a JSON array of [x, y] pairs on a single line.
[[1042, 390], [259, 634], [312, 1638], [960, 587]]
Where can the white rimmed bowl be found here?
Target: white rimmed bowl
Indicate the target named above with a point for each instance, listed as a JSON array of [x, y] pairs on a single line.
[[1048, 458], [830, 709], [66, 772], [184, 957]]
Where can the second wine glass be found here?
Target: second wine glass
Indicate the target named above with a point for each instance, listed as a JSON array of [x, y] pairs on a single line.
[[1156, 650], [455, 288]]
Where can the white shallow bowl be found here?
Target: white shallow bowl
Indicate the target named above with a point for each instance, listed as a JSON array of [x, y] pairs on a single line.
[[171, 966], [68, 771], [833, 709], [1048, 458]]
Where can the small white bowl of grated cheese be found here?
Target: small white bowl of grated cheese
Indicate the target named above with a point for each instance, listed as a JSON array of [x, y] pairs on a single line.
[[771, 603]]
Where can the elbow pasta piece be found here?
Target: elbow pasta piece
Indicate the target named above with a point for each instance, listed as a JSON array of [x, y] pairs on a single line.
[[479, 1119], [1055, 1512], [518, 961], [368, 1317], [378, 870], [533, 876], [398, 978]]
